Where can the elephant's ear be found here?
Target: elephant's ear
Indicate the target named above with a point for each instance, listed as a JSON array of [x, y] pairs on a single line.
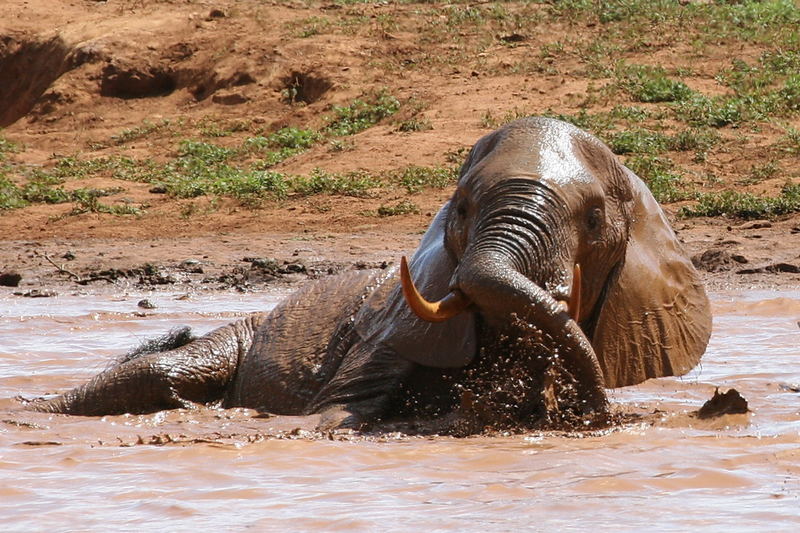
[[656, 319], [386, 319]]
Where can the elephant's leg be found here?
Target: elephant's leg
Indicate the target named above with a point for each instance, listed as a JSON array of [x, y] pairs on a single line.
[[362, 389], [196, 372]]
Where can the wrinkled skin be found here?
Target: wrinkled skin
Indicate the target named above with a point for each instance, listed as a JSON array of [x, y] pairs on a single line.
[[533, 199]]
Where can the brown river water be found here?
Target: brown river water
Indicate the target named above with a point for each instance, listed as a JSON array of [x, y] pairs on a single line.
[[227, 470]]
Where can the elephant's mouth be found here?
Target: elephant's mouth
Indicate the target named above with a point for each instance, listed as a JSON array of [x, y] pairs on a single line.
[[456, 302]]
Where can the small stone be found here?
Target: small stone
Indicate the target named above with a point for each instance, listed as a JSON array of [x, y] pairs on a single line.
[[293, 268], [192, 266], [146, 304]]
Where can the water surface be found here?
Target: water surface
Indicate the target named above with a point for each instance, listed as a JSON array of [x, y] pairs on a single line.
[[215, 469]]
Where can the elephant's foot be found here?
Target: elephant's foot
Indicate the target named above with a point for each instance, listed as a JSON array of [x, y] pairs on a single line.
[[339, 417]]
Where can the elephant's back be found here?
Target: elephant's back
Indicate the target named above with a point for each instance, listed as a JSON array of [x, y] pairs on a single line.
[[299, 344]]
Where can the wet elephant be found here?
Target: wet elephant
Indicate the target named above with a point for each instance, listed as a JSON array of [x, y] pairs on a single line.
[[545, 225]]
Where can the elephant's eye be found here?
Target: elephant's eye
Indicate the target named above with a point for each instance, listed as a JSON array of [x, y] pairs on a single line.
[[461, 209], [595, 220]]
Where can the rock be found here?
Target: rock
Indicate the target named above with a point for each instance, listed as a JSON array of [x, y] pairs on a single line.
[[776, 268], [192, 266], [513, 38], [264, 263], [10, 279], [717, 260], [146, 304], [756, 224], [293, 268], [723, 404]]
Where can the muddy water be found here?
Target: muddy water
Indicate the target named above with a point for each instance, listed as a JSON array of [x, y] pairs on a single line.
[[215, 469]]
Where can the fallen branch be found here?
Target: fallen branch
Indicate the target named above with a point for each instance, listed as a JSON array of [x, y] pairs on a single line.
[[62, 270]]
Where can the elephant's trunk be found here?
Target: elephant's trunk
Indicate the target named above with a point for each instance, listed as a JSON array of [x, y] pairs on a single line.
[[521, 233], [499, 290]]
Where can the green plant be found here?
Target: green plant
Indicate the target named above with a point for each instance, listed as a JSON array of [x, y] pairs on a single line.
[[638, 141], [139, 132], [362, 114], [761, 172], [7, 147], [210, 127], [489, 121], [414, 178], [699, 139], [86, 201], [313, 26], [599, 123], [791, 141], [660, 176], [651, 84], [745, 205], [341, 145], [287, 141], [701, 110], [10, 195], [356, 183], [42, 188], [404, 207], [415, 124], [632, 113], [201, 153]]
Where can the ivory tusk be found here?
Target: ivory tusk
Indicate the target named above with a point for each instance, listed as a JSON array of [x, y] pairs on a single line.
[[574, 305], [454, 303]]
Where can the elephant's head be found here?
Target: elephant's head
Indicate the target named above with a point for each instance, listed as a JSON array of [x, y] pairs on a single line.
[[544, 213]]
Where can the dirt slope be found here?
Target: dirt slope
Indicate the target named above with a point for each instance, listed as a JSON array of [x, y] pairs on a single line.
[[80, 78]]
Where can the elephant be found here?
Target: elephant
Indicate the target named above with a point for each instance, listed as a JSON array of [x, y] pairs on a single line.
[[545, 225]]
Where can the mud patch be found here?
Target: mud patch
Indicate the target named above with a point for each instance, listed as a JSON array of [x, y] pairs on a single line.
[[717, 260], [728, 403]]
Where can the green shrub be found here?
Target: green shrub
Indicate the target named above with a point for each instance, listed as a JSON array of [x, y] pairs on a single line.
[[745, 205], [716, 112], [700, 139], [362, 114], [639, 141], [10, 195], [660, 176], [7, 147], [404, 207], [414, 178], [651, 84], [356, 183]]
